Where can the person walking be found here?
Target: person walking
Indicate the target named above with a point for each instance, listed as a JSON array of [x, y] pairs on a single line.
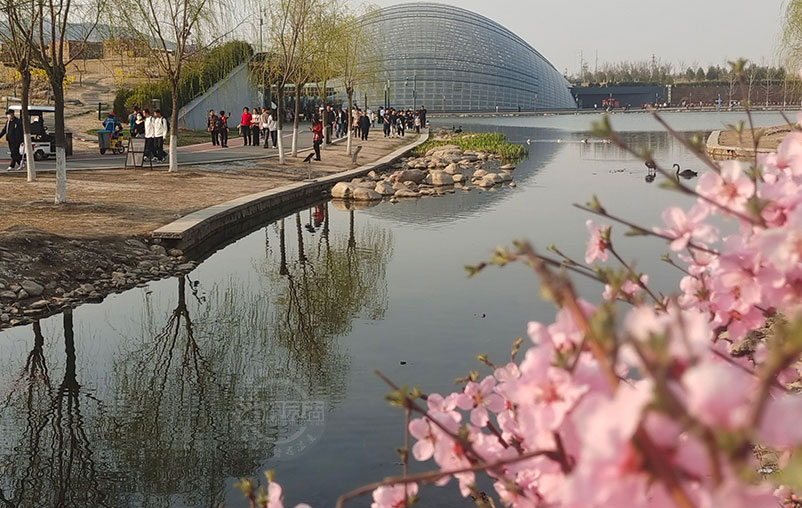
[[245, 126], [160, 132], [212, 127], [328, 120], [264, 122], [272, 124], [364, 125], [317, 136], [13, 133], [132, 121], [223, 127], [150, 133], [422, 113], [417, 123], [387, 124], [256, 126]]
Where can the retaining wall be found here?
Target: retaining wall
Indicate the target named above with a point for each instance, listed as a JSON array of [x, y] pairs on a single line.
[[230, 94], [197, 228]]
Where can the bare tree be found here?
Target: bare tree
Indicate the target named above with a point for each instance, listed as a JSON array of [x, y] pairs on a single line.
[[289, 20], [59, 42], [22, 17], [176, 33]]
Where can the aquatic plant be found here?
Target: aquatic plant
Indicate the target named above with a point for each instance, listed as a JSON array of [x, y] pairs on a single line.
[[488, 142], [686, 401]]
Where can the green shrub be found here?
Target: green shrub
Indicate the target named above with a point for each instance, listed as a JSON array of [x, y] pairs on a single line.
[[479, 142], [196, 78]]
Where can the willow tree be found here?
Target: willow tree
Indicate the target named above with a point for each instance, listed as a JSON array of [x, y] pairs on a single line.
[[60, 41], [792, 34], [175, 33], [289, 19], [355, 49], [22, 18]]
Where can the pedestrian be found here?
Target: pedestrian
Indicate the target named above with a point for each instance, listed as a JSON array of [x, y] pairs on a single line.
[[256, 125], [272, 125], [13, 133], [317, 136], [328, 121], [150, 131], [417, 123], [139, 125], [343, 130], [223, 128], [400, 125], [423, 116], [387, 124], [160, 132], [245, 126], [212, 127], [132, 121], [364, 126], [264, 120]]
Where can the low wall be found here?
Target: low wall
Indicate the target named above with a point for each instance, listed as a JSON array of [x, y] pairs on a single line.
[[195, 229], [230, 94], [717, 151]]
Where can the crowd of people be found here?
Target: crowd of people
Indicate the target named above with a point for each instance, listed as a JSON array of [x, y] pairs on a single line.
[[154, 127]]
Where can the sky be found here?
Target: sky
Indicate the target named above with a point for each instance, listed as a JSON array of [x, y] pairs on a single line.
[[683, 32]]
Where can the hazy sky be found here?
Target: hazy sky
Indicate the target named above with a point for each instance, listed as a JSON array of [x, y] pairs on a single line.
[[678, 31]]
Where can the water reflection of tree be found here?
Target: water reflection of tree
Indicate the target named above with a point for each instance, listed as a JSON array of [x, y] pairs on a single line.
[[322, 283], [53, 463]]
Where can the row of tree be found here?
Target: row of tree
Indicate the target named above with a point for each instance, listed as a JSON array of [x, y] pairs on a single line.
[[308, 41], [664, 73]]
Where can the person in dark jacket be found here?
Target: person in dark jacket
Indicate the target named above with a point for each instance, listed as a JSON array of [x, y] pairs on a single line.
[[364, 126], [13, 133], [213, 126]]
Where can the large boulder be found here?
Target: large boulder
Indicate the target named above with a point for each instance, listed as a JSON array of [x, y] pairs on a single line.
[[441, 178], [508, 167], [384, 188], [32, 288], [459, 177], [479, 173], [410, 175], [490, 180], [343, 190], [443, 150], [452, 169], [363, 194], [406, 193]]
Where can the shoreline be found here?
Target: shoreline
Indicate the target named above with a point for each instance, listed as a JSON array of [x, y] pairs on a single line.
[[43, 273]]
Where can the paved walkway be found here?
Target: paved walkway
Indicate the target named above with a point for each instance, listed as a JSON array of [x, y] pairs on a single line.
[[203, 153]]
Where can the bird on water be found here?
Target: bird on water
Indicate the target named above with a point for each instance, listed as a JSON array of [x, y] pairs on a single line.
[[685, 173]]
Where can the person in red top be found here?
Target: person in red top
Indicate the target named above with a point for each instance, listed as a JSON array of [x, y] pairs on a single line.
[[245, 126], [317, 135]]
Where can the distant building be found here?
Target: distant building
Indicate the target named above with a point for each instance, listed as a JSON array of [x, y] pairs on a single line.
[[454, 60], [89, 50]]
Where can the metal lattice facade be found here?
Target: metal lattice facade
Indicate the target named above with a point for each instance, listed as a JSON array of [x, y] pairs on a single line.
[[454, 60]]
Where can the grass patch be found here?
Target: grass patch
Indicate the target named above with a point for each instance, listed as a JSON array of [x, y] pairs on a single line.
[[494, 143], [185, 137]]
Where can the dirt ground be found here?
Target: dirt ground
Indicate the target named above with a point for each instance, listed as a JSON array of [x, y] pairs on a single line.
[[125, 203], [771, 139]]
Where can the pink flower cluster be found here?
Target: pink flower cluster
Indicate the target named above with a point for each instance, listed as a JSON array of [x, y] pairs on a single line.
[[655, 413]]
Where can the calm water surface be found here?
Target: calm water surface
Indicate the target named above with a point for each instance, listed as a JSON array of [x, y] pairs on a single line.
[[165, 395]]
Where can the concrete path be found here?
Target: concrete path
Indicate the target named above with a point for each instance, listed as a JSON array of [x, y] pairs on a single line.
[[203, 153]]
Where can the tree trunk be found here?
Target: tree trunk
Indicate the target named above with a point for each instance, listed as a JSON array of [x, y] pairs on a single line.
[[57, 83], [296, 121], [280, 115], [350, 121], [26, 125], [173, 165]]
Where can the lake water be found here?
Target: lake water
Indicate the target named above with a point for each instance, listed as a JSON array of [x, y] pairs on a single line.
[[165, 395]]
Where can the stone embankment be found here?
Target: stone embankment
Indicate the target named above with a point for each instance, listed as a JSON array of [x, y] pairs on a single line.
[[96, 269], [443, 169]]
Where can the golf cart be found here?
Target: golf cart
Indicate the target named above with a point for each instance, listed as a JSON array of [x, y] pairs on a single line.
[[43, 144]]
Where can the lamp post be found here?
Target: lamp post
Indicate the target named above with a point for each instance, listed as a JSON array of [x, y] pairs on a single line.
[[414, 90]]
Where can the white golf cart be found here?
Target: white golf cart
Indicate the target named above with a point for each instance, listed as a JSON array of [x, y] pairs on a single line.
[[43, 144]]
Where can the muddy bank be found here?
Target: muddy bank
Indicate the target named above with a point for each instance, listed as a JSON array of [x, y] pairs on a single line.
[[42, 273]]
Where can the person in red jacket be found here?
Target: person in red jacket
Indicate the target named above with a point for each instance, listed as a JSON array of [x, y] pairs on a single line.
[[245, 126], [317, 135]]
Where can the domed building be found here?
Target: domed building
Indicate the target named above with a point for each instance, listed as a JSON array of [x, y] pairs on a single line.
[[454, 60]]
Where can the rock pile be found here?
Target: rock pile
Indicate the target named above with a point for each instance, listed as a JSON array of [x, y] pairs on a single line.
[[441, 170], [49, 273]]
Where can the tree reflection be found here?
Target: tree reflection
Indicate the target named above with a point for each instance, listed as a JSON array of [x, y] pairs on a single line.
[[53, 463]]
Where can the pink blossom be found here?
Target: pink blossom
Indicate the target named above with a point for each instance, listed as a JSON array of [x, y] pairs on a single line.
[[479, 398], [393, 496], [789, 153], [718, 394], [779, 426], [627, 289], [684, 228], [597, 243], [730, 189], [274, 498]]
